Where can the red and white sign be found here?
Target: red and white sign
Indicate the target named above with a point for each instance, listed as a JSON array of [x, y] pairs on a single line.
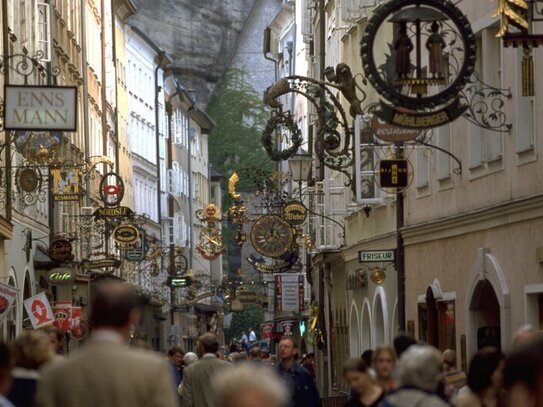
[[63, 313], [78, 326], [8, 295], [39, 310]]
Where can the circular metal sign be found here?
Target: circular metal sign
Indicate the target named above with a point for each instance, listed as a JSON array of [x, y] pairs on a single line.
[[126, 235], [28, 180], [272, 236], [60, 250], [430, 59], [295, 213], [111, 189]]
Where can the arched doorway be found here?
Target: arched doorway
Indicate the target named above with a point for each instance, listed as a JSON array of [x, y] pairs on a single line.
[[432, 319], [485, 313], [379, 321], [366, 327], [488, 305], [354, 339]]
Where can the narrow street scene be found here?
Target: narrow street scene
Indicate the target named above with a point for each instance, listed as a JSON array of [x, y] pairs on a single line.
[[271, 203]]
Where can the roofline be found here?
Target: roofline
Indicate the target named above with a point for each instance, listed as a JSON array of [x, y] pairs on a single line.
[[165, 60]]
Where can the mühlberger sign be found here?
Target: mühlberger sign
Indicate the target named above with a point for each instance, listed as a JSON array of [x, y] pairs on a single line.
[[43, 108]]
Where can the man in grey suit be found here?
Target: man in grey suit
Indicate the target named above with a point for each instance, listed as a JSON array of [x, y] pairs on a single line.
[[197, 388], [105, 372]]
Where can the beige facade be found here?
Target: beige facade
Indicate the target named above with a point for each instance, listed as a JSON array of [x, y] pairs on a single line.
[[473, 243]]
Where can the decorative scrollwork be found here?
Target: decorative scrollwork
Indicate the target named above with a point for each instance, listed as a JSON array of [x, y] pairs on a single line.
[[486, 105], [27, 66], [334, 134], [276, 123]]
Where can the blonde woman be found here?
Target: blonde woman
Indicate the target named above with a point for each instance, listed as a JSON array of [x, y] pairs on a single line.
[[384, 362], [31, 351]]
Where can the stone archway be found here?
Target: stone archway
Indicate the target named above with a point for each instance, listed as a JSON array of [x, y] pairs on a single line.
[[354, 332], [487, 304], [366, 331]]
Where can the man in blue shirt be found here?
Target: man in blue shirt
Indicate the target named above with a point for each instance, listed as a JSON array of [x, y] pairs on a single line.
[[175, 357], [302, 388]]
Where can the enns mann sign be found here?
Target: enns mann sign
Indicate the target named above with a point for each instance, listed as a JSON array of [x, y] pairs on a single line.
[[40, 108]]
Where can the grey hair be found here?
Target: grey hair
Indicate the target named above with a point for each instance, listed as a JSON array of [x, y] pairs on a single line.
[[190, 358], [420, 367], [258, 379]]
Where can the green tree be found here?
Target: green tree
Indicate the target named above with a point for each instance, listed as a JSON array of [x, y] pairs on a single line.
[[235, 142], [251, 317]]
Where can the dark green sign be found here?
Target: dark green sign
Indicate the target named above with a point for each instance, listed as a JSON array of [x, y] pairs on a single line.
[[179, 281]]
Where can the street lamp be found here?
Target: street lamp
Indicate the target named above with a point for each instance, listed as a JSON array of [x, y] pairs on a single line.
[[300, 166]]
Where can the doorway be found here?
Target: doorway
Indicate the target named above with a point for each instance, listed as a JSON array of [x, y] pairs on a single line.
[[485, 312]]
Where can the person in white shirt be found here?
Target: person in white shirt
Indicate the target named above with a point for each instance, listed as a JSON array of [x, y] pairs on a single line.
[[252, 336]]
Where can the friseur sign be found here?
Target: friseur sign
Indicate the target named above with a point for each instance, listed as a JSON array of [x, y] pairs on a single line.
[[365, 256], [43, 108]]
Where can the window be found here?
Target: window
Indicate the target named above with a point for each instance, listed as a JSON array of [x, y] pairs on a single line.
[[367, 190], [23, 22]]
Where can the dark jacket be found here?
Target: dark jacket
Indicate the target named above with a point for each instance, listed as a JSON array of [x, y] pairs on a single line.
[[301, 386]]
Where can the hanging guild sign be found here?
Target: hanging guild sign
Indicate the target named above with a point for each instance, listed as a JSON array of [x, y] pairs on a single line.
[[426, 65], [118, 212], [100, 264], [60, 250], [392, 134], [393, 173], [126, 236], [29, 179], [60, 276], [111, 189], [42, 108], [295, 213], [62, 310], [39, 311], [65, 184], [139, 249]]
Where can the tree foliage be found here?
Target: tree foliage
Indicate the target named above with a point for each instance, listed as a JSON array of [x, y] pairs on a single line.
[[235, 142], [251, 317]]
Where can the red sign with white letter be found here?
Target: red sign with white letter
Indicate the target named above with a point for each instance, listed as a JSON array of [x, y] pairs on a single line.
[[39, 310]]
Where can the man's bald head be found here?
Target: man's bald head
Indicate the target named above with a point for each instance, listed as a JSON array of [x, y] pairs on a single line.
[[113, 306]]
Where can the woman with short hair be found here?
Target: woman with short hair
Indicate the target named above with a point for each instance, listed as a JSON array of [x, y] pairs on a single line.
[[366, 392]]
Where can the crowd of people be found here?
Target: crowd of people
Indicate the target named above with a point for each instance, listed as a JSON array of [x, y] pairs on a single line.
[[107, 372]]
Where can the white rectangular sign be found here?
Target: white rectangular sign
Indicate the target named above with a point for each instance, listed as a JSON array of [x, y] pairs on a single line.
[[365, 256], [44, 108], [39, 311], [8, 295]]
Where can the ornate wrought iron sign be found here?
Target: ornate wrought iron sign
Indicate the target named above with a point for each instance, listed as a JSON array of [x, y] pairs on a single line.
[[272, 236], [444, 45], [295, 213], [210, 243], [60, 250], [119, 212], [111, 189], [65, 183], [101, 264], [126, 236], [393, 173]]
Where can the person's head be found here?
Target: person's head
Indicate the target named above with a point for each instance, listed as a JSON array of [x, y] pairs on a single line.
[[523, 374], [402, 342], [420, 367], [356, 374], [449, 360], [367, 356], [32, 349], [208, 343], [6, 365], [115, 307], [175, 355], [524, 334], [190, 358], [56, 338], [485, 370], [260, 387], [240, 357], [288, 349], [256, 353], [383, 362]]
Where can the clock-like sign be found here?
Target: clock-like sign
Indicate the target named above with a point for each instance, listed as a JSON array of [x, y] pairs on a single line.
[[272, 236]]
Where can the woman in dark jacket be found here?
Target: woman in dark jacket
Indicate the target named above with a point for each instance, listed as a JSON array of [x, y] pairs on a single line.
[[368, 393]]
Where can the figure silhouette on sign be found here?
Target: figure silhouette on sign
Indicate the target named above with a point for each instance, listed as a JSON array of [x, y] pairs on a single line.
[[435, 45], [403, 47]]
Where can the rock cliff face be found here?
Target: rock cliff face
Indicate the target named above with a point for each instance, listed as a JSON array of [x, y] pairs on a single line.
[[200, 35]]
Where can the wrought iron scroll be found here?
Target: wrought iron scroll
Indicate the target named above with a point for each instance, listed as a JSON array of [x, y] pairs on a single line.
[[485, 105]]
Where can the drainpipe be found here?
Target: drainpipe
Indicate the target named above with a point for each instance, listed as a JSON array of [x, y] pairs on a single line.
[[169, 158], [5, 46], [158, 89], [191, 193], [84, 97]]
